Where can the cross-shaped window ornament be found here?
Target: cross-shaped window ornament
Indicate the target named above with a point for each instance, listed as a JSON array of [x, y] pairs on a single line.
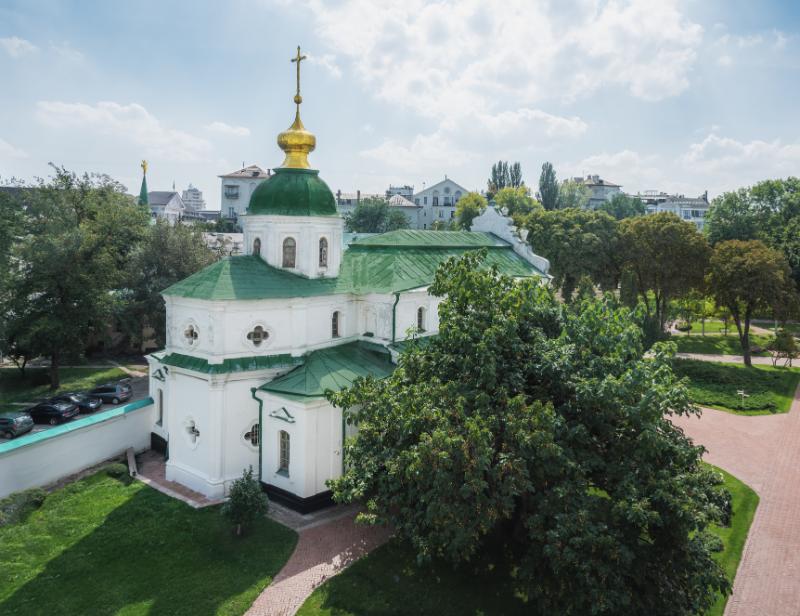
[[258, 336], [193, 432], [252, 435], [190, 334]]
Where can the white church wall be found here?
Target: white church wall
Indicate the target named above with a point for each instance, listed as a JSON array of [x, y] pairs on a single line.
[[240, 414]]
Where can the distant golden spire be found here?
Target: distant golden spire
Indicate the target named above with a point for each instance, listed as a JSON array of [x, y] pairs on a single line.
[[144, 167], [296, 141]]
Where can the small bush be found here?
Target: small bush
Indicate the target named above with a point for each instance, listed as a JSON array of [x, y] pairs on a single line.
[[18, 506], [118, 471], [246, 502]]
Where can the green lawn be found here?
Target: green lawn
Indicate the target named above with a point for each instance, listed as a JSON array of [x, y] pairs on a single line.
[[713, 327], [101, 546], [717, 344], [389, 583], [36, 384], [744, 502], [769, 390]]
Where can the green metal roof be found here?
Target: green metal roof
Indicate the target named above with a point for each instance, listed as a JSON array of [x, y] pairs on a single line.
[[293, 192], [239, 364], [440, 239], [334, 368], [365, 268]]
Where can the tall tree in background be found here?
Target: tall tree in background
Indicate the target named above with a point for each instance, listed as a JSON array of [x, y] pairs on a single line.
[[79, 232], [373, 215], [623, 206], [166, 255], [469, 207], [666, 257], [515, 175], [572, 194], [548, 187], [499, 178], [748, 277], [578, 243], [523, 421]]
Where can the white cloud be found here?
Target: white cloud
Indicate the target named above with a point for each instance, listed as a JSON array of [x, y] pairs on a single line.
[[725, 60], [633, 170], [17, 47], [423, 152], [67, 52], [749, 161], [9, 151], [328, 62], [132, 123], [226, 129]]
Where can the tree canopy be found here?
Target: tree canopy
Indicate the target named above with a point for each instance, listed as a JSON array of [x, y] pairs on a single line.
[[373, 215], [516, 201], [572, 194], [623, 206], [578, 243], [469, 207], [748, 277], [548, 187], [535, 434], [503, 176], [666, 258]]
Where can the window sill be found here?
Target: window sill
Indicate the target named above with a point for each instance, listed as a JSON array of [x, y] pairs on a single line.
[[282, 473]]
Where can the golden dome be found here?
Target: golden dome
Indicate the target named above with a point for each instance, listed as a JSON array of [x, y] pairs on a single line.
[[297, 143]]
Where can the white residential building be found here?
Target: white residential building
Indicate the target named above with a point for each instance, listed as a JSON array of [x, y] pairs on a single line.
[[166, 204], [237, 186], [438, 202], [691, 209], [602, 190], [193, 199]]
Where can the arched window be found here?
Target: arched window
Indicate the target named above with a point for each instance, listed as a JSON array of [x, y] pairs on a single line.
[[421, 319], [283, 459], [323, 252], [257, 246], [335, 325], [160, 420], [289, 252]]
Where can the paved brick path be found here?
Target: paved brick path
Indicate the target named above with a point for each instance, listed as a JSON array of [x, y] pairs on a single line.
[[763, 451], [322, 551]]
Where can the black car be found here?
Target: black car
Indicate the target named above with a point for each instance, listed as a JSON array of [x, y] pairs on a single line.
[[15, 423], [113, 392], [53, 412], [86, 404]]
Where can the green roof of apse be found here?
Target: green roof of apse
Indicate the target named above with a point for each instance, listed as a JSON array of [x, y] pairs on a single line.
[[427, 239], [238, 364], [334, 368]]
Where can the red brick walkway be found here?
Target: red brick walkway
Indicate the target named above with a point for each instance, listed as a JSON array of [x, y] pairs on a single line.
[[764, 452], [322, 551]]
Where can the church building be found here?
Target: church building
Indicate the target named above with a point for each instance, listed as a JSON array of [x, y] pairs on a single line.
[[254, 341]]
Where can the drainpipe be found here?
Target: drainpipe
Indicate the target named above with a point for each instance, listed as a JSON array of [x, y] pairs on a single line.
[[260, 427], [343, 425], [394, 315]]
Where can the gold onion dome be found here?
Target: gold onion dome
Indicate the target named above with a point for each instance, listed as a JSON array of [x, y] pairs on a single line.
[[296, 141]]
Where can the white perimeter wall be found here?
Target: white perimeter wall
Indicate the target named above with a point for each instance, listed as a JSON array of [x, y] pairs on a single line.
[[44, 462]]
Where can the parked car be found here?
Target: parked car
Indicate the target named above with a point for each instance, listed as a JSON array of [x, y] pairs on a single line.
[[53, 412], [15, 423], [113, 392], [86, 404]]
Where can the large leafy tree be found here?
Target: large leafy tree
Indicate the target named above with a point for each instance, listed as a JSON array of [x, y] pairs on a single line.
[[469, 207], [517, 201], [578, 243], [534, 436], [548, 187], [748, 277], [666, 258], [166, 255], [78, 232], [623, 206], [503, 176], [572, 194], [373, 215]]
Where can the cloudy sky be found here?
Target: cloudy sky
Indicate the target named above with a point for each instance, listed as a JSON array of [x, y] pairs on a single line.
[[676, 95]]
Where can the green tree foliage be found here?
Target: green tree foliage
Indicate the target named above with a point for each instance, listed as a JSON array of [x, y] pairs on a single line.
[[469, 207], [78, 235], [535, 434], [768, 211], [748, 277], [623, 206], [246, 502], [504, 176], [572, 194], [516, 201], [548, 187], [666, 257], [165, 255], [578, 243], [515, 175], [784, 347], [373, 215]]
